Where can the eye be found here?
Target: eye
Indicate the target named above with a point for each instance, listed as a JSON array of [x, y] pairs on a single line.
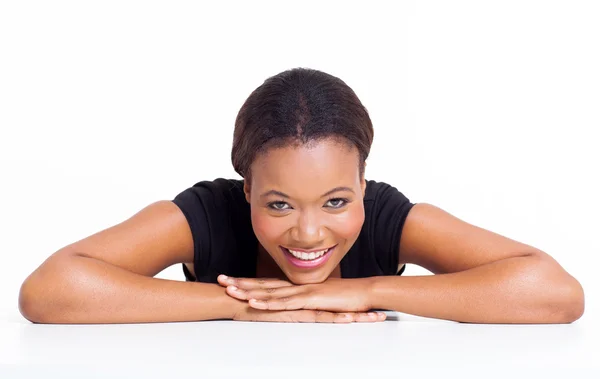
[[342, 202], [272, 205], [279, 205]]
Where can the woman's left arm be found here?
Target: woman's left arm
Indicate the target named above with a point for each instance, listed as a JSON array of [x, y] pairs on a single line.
[[481, 276]]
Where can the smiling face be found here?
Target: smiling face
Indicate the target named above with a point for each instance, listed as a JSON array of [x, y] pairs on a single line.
[[292, 207]]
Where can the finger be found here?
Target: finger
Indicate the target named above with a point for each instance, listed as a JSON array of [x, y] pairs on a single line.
[[342, 318], [263, 294], [261, 283], [330, 317], [304, 315], [364, 317], [236, 293], [252, 283], [273, 293], [279, 304], [223, 280], [369, 316], [240, 294]]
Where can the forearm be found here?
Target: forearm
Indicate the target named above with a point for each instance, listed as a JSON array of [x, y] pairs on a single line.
[[81, 290], [515, 290]]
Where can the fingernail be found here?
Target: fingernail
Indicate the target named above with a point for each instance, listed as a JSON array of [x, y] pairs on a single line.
[[233, 288], [225, 277]]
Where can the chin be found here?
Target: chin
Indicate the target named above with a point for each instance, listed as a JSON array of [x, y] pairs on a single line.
[[307, 278], [314, 271]]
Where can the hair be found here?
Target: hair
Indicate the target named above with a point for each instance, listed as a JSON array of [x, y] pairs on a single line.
[[298, 107]]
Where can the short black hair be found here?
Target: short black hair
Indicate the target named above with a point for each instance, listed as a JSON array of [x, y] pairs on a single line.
[[297, 107]]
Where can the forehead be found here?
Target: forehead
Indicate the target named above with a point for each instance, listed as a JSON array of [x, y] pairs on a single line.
[[328, 162]]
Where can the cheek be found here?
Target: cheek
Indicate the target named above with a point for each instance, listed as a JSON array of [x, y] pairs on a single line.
[[349, 224], [345, 226], [267, 228]]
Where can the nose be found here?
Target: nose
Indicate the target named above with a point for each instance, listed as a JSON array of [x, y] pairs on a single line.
[[308, 231]]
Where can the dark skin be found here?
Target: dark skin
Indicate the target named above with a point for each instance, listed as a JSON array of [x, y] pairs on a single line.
[[274, 227], [306, 220], [480, 276]]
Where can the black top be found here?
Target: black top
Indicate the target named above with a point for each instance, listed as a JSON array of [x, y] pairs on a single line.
[[224, 241]]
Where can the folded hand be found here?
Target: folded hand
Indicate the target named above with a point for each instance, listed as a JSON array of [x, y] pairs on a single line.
[[334, 295]]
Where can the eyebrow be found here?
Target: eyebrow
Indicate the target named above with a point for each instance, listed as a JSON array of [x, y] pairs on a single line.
[[278, 193]]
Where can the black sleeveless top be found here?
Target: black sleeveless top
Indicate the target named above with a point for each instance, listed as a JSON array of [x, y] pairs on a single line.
[[224, 241]]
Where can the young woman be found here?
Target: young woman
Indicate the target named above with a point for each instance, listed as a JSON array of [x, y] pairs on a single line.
[[304, 237]]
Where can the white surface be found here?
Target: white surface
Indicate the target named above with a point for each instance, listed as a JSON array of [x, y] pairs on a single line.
[[403, 345], [488, 110]]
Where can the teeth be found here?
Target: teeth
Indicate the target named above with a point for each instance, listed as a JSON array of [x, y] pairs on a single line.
[[307, 256]]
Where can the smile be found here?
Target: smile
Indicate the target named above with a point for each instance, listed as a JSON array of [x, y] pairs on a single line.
[[307, 260]]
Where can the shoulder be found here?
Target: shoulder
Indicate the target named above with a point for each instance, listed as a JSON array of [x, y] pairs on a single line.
[[219, 219], [386, 209], [219, 202], [212, 192], [385, 206], [382, 193], [217, 185]]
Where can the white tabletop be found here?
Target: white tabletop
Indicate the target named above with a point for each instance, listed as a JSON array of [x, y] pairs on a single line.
[[402, 345]]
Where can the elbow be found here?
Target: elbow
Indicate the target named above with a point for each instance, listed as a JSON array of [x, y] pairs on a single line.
[[560, 297], [39, 302], [29, 304], [574, 303], [568, 302], [46, 295]]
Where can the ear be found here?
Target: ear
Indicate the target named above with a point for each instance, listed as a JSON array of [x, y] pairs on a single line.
[[363, 182], [247, 189], [363, 186]]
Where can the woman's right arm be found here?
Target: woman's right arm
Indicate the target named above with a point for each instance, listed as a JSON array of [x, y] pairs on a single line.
[[108, 276]]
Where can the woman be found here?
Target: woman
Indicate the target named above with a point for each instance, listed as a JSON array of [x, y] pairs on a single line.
[[304, 237]]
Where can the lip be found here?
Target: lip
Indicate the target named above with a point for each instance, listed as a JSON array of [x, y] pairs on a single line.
[[308, 251], [307, 264]]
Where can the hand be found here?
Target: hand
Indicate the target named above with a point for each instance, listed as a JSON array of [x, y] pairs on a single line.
[[248, 313], [337, 295]]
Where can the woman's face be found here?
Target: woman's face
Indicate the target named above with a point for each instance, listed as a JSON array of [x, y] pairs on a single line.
[[301, 216]]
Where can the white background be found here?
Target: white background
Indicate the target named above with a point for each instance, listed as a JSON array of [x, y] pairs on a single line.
[[489, 110]]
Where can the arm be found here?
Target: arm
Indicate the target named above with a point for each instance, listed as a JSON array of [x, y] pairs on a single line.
[[76, 289], [480, 276], [512, 290], [108, 277]]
